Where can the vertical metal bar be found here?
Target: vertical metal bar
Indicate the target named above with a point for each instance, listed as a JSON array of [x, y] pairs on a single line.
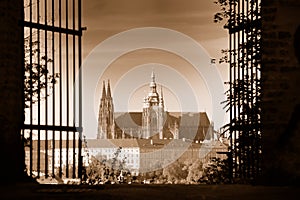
[[260, 95], [256, 77], [39, 92], [243, 130], [74, 92], [80, 92], [67, 88], [234, 92], [245, 81], [230, 94], [53, 91], [46, 93], [257, 141], [246, 62], [60, 92], [245, 118], [239, 85], [31, 87], [23, 98], [252, 63]]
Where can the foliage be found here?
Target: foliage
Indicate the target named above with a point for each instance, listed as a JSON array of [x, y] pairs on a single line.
[[224, 11], [179, 172], [176, 172], [155, 177], [216, 172], [195, 171], [37, 77], [102, 171], [244, 93]]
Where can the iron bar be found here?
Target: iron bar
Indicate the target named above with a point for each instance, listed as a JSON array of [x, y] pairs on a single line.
[[67, 89], [52, 128], [53, 90], [74, 90], [244, 30], [31, 88], [46, 92], [39, 93], [60, 89], [230, 95], [80, 94], [53, 28]]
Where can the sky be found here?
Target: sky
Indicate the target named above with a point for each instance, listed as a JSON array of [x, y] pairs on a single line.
[[126, 40], [192, 17]]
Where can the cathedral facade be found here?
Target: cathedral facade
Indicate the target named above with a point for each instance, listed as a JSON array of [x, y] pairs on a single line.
[[154, 122], [106, 121]]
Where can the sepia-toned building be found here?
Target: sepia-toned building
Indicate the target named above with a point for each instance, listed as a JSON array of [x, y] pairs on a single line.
[[106, 124], [153, 112], [154, 122], [138, 155]]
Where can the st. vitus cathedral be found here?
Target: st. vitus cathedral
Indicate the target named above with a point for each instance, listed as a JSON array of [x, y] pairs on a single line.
[[153, 122]]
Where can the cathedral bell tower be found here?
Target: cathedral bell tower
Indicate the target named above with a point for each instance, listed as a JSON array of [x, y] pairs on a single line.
[[106, 123], [153, 113]]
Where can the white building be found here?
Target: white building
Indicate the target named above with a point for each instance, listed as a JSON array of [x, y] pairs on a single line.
[[107, 149]]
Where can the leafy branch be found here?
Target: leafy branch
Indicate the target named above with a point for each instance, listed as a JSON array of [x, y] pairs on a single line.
[[37, 78]]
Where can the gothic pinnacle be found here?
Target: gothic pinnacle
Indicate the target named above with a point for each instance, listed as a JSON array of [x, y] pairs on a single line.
[[103, 91], [108, 89]]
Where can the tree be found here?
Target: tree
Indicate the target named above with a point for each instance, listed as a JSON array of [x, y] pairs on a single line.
[[216, 172], [175, 172], [195, 170], [101, 170], [36, 74]]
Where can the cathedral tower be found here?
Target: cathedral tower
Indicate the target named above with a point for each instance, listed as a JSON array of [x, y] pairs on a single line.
[[153, 112], [106, 123]]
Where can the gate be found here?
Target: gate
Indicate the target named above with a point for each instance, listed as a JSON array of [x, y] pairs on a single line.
[[52, 128], [244, 92]]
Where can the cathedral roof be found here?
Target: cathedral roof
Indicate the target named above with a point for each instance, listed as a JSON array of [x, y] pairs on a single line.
[[128, 120]]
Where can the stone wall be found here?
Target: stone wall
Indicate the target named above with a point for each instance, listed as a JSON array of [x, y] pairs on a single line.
[[11, 78], [281, 89]]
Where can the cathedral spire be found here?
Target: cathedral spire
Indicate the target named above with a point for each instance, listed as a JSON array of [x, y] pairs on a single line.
[[152, 83], [161, 99], [108, 89], [153, 96], [153, 76], [103, 91], [106, 123]]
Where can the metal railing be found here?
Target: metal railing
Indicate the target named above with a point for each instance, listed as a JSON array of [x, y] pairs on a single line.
[[52, 128], [244, 92]]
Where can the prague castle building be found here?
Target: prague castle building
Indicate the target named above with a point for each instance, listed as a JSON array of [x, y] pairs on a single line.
[[154, 122]]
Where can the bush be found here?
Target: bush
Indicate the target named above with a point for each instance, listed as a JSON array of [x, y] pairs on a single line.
[[216, 172]]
